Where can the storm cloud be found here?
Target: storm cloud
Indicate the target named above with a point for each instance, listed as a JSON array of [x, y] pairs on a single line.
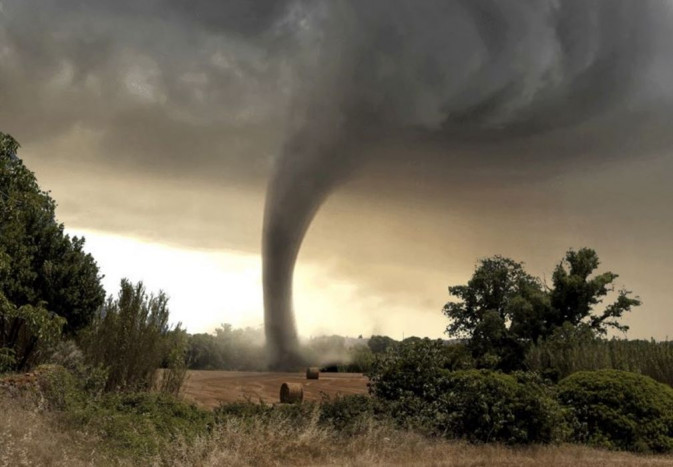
[[440, 122]]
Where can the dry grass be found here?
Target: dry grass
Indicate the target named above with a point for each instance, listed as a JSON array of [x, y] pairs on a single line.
[[255, 444], [30, 436]]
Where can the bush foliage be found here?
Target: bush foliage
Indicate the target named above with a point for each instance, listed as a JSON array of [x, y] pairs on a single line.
[[417, 387], [618, 409], [131, 338], [139, 424], [485, 406]]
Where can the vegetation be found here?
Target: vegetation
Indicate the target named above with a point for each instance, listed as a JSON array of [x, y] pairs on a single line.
[[34, 437], [572, 349], [47, 281], [228, 349], [380, 344], [131, 337], [243, 350], [420, 390], [503, 310], [617, 409]]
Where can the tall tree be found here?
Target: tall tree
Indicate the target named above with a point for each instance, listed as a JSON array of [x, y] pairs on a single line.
[[576, 293], [503, 309], [43, 268], [500, 299]]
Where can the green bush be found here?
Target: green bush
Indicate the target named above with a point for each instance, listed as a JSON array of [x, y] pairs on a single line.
[[139, 425], [486, 406], [360, 359], [619, 410], [130, 337], [412, 368], [348, 414], [416, 386]]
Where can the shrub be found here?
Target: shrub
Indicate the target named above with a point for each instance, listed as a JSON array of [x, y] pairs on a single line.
[[7, 359], [137, 424], [488, 406], [131, 338], [412, 368], [292, 416], [416, 388], [621, 410], [26, 334], [350, 414]]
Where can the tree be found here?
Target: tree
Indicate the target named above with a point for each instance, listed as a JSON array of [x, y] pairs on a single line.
[[379, 344], [500, 301], [45, 267], [575, 293], [503, 310]]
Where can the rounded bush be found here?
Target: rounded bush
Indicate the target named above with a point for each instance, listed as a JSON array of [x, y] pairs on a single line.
[[486, 406], [619, 410]]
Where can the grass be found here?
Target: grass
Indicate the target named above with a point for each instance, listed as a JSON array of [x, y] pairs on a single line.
[[34, 437], [48, 421], [572, 354]]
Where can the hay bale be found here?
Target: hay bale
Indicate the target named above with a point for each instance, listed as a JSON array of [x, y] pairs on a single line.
[[312, 373], [291, 393]]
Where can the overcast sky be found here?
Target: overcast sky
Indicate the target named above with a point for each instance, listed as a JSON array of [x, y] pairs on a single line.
[[156, 128]]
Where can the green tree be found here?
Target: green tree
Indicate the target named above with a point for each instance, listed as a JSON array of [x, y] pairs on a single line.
[[576, 293], [502, 310], [379, 344], [499, 303], [45, 267], [47, 282]]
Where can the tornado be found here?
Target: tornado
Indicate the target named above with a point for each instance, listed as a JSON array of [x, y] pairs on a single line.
[[299, 186], [469, 71]]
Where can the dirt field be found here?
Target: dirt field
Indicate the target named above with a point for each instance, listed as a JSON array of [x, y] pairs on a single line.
[[209, 388]]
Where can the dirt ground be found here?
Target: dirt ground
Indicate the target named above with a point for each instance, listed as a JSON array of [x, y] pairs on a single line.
[[209, 388]]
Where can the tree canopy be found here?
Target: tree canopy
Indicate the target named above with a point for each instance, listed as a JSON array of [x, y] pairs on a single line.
[[44, 272], [503, 309]]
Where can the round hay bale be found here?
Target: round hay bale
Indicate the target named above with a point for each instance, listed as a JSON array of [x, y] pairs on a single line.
[[313, 373], [291, 393]]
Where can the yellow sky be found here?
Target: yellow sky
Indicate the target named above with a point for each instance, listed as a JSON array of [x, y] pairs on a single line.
[[207, 288]]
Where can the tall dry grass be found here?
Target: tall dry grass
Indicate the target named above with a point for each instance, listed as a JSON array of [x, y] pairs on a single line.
[[239, 443], [569, 354], [30, 436]]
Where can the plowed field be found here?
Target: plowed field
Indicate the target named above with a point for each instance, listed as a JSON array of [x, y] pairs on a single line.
[[209, 388]]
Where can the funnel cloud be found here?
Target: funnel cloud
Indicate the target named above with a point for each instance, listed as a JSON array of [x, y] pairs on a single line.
[[390, 83]]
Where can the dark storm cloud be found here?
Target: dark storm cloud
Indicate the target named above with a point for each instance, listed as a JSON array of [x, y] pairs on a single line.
[[186, 88], [445, 94]]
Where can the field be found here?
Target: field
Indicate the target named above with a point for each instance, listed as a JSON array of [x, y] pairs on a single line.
[[209, 388]]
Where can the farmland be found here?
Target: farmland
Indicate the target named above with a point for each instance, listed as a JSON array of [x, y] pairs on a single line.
[[210, 388]]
